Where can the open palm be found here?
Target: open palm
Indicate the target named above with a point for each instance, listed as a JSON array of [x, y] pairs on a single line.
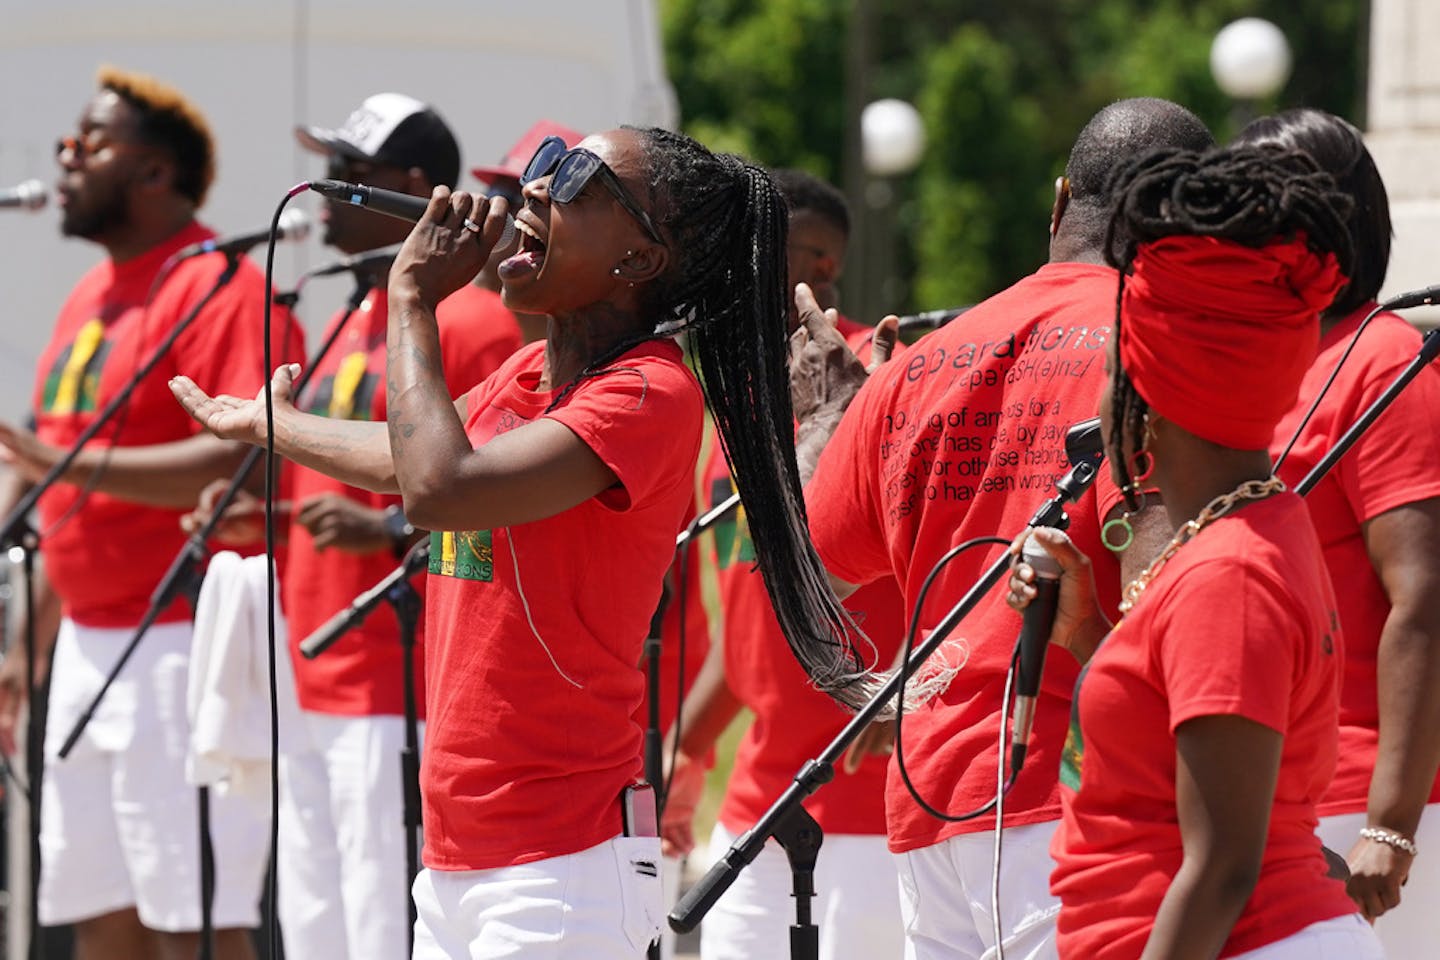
[[232, 418]]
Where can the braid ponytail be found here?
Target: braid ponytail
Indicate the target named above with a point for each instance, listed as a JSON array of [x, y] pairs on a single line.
[[727, 226]]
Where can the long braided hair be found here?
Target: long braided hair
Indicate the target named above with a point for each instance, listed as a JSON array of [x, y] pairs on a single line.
[[1248, 195], [727, 226]]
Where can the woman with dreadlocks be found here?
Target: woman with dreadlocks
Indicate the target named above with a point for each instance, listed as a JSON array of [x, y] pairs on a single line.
[[564, 478], [1204, 728]]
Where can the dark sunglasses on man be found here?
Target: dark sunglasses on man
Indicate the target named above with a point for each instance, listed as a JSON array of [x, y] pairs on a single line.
[[571, 170]]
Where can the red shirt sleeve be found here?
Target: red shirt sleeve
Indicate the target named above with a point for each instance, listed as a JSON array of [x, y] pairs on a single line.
[[846, 513], [1239, 657], [627, 413]]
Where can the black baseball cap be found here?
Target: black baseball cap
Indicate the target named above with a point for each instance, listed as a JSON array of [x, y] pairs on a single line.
[[394, 130]]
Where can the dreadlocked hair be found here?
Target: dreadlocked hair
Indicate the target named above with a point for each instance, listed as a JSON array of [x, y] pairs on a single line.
[[726, 226], [1248, 195]]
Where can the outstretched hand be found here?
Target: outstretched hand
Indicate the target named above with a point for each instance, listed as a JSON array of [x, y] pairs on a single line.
[[449, 244], [232, 418]]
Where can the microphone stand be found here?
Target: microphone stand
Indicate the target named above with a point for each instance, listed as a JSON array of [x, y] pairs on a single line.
[[786, 819], [1429, 350], [17, 532], [396, 590]]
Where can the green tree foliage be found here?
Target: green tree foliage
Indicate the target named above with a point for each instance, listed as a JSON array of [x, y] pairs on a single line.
[[1003, 88]]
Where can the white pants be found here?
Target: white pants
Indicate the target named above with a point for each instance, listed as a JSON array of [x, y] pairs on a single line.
[[672, 870], [344, 891], [119, 822], [1339, 938], [856, 905], [1412, 929], [945, 896], [604, 903]]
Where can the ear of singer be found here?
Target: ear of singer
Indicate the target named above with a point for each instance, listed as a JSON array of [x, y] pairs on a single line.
[[1079, 623]]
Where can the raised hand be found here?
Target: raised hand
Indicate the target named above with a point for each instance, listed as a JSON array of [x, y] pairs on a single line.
[[232, 418]]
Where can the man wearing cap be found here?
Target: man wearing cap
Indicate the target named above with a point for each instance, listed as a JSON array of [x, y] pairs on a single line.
[[503, 180], [342, 866]]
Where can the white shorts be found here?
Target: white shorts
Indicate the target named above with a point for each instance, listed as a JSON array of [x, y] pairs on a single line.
[[604, 903], [1339, 938], [119, 823], [1411, 930], [344, 891], [856, 905], [945, 896]]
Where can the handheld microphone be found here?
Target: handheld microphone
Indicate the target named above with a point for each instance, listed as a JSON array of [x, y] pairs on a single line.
[[294, 225], [401, 206], [1039, 620], [931, 318], [1415, 298], [30, 195]]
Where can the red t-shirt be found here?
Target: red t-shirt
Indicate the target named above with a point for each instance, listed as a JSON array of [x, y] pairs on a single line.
[[1395, 462], [1240, 622], [536, 630], [361, 674], [106, 557], [959, 437]]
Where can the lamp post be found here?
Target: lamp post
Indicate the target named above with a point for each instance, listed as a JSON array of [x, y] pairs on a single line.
[[1250, 60], [892, 139]]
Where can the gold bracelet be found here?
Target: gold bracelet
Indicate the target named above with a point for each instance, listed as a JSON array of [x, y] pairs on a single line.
[[1397, 840]]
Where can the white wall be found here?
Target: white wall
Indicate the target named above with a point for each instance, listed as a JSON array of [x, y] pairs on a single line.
[[258, 68]]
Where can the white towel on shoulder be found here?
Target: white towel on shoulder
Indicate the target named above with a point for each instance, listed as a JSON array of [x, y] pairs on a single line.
[[228, 698]]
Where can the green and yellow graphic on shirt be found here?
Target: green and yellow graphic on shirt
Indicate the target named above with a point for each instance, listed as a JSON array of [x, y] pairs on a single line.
[[348, 393], [73, 383], [466, 555], [732, 533], [1072, 756]]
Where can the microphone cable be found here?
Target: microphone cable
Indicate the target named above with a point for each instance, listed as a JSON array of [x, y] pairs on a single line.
[[272, 874], [1315, 404], [905, 672]]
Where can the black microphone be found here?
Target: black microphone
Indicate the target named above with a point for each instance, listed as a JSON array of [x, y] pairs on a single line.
[[1039, 620], [932, 318], [365, 262], [1415, 298], [294, 225], [30, 195], [324, 637], [401, 206]]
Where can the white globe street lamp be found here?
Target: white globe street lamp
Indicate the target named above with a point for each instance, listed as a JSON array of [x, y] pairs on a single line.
[[1250, 59], [892, 137]]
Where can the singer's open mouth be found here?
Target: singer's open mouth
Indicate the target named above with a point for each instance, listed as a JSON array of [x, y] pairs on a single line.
[[530, 257]]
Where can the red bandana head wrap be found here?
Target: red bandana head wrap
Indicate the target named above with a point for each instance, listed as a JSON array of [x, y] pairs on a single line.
[[1216, 336]]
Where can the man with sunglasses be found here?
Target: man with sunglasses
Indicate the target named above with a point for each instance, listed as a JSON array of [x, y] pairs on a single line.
[[342, 839], [120, 826]]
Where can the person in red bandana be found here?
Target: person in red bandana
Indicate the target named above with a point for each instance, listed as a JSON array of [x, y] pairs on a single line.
[[1204, 728]]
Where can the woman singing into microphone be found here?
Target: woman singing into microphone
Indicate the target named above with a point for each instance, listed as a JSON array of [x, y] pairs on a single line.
[[1204, 726], [556, 488]]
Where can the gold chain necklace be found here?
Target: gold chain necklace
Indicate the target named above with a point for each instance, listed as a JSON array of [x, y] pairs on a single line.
[[1214, 510]]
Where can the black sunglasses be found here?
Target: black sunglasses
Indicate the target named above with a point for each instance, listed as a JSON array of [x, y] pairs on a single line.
[[571, 170]]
